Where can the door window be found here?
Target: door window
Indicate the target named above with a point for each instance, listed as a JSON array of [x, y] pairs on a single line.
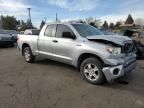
[[62, 28]]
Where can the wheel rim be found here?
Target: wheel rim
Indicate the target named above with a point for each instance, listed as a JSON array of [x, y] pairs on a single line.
[[91, 71], [27, 55]]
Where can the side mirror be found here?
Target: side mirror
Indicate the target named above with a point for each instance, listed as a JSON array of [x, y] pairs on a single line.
[[68, 35]]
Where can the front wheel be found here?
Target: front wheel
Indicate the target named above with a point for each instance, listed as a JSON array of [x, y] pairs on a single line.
[[91, 70], [27, 53]]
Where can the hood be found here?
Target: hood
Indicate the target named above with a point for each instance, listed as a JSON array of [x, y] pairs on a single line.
[[116, 39]]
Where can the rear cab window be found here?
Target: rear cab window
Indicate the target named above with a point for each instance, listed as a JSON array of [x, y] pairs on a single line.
[[35, 32], [28, 32]]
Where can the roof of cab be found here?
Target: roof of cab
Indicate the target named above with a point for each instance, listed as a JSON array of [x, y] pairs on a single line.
[[63, 23]]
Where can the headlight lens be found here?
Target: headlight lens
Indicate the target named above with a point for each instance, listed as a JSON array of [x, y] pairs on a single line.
[[114, 50]]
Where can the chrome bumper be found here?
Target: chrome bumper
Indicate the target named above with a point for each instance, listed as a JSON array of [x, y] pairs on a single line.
[[114, 72]]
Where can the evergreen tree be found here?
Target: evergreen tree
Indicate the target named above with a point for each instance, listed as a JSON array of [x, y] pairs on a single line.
[[42, 24], [23, 26], [118, 24], [129, 20], [105, 25], [9, 22], [111, 26], [81, 21], [92, 24]]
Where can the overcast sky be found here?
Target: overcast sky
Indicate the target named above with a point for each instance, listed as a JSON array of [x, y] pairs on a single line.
[[110, 10]]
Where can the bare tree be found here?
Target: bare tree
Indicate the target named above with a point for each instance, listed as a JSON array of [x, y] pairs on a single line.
[[93, 21], [98, 22], [89, 20]]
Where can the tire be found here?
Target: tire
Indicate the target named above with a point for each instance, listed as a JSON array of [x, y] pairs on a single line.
[[91, 70], [27, 53]]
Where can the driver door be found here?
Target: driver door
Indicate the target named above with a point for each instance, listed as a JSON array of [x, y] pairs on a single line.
[[45, 44], [63, 47]]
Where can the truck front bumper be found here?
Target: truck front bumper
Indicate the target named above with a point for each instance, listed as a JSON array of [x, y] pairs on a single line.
[[113, 72]]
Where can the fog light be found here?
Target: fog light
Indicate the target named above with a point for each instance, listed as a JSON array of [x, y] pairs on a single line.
[[116, 71]]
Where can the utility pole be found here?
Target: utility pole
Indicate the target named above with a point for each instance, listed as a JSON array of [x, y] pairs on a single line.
[[29, 9], [56, 17], [0, 22]]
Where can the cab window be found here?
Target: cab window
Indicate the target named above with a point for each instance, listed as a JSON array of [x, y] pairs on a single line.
[[62, 28], [49, 30]]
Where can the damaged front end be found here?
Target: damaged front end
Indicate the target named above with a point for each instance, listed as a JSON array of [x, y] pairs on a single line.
[[122, 59]]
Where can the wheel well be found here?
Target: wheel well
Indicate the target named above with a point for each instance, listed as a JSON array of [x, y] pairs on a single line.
[[85, 56], [24, 46]]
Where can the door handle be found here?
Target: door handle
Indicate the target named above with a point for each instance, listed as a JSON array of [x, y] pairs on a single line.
[[55, 41]]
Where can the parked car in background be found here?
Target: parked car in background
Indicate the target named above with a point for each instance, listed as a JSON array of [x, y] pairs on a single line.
[[32, 32], [13, 33], [21, 32], [138, 37], [97, 56], [106, 32], [6, 39]]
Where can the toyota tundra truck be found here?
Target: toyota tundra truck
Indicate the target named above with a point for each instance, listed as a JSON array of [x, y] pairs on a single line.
[[98, 57]]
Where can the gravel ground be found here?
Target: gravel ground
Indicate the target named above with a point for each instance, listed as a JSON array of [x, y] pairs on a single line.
[[49, 84]]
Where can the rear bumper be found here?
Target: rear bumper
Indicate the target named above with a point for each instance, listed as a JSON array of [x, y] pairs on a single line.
[[113, 72]]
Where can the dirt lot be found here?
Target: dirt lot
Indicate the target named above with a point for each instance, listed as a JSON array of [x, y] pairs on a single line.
[[49, 84]]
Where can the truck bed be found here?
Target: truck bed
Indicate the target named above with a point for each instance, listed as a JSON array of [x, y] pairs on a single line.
[[31, 39]]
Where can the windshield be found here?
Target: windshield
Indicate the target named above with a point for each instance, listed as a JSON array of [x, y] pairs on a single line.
[[11, 32], [86, 30], [2, 32]]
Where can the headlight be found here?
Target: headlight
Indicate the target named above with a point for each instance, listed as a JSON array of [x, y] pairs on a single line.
[[114, 50]]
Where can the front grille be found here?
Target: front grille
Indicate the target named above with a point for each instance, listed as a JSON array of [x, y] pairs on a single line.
[[128, 47], [5, 38]]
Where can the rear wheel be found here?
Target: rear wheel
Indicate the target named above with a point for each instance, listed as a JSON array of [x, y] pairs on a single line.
[[91, 70], [27, 53]]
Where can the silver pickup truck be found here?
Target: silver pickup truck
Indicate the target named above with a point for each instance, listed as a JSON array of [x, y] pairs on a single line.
[[98, 57]]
